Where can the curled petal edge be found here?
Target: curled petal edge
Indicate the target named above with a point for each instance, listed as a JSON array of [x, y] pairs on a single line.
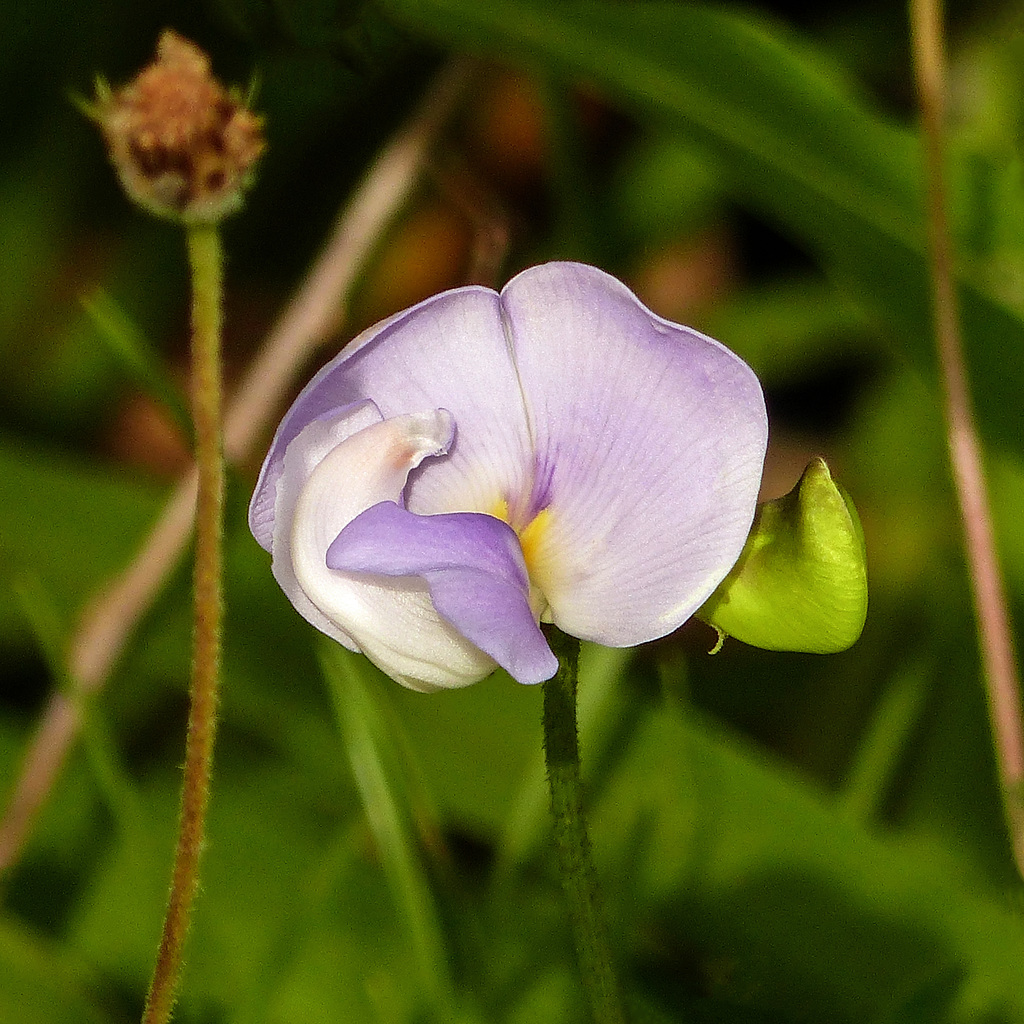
[[391, 620]]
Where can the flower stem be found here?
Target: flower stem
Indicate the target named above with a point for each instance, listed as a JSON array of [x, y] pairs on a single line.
[[205, 259], [579, 880], [989, 593]]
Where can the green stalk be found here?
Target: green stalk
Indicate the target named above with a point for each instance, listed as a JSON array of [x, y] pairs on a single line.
[[206, 265], [579, 880]]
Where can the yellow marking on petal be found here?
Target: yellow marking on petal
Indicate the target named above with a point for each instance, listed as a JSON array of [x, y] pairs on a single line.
[[499, 510], [533, 538]]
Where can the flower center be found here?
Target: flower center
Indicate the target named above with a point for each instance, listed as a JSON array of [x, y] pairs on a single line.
[[534, 540]]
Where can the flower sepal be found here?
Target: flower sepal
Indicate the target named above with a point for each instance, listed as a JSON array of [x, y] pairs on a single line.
[[800, 583]]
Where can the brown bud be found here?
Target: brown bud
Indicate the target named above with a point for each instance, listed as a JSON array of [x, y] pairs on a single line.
[[183, 147]]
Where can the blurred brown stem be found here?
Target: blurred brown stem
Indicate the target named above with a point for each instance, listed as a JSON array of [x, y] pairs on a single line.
[[990, 605], [461, 187], [314, 314]]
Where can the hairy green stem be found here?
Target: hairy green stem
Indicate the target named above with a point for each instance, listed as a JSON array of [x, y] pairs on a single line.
[[579, 880], [205, 259], [995, 635]]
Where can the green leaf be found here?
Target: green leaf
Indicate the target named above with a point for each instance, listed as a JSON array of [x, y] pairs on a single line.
[[49, 632], [872, 770], [789, 139], [789, 905], [664, 189], [43, 984], [72, 526], [801, 582], [789, 328]]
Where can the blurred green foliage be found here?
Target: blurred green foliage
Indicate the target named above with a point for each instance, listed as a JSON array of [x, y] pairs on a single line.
[[779, 838]]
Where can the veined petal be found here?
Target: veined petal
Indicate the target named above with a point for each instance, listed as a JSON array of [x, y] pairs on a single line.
[[473, 566], [448, 352], [650, 440], [391, 620]]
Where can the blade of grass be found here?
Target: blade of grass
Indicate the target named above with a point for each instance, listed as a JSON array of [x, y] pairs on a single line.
[[115, 787], [875, 761], [376, 767], [126, 342]]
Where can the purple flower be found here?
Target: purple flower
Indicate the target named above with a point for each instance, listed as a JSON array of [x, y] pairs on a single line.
[[483, 461]]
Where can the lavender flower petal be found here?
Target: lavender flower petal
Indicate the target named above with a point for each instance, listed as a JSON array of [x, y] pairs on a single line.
[[449, 352], [650, 440]]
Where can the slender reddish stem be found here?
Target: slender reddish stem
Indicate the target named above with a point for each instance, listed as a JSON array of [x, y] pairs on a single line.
[[990, 605]]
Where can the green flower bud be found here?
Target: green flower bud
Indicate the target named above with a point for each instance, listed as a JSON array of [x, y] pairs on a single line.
[[801, 582]]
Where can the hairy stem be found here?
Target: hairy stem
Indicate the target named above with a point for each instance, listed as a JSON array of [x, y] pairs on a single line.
[[579, 880], [205, 259], [989, 594]]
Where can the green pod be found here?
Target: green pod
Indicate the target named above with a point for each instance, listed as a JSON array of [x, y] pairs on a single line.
[[800, 583]]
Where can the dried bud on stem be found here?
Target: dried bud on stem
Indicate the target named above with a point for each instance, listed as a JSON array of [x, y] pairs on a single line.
[[183, 147]]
